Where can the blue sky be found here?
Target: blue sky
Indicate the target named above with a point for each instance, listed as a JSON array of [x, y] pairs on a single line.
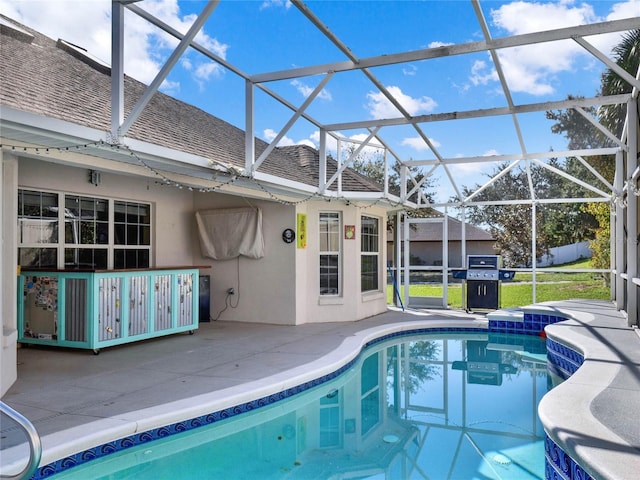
[[266, 36]]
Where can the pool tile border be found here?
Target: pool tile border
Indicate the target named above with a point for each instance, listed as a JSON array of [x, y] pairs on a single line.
[[560, 466], [563, 359], [129, 441]]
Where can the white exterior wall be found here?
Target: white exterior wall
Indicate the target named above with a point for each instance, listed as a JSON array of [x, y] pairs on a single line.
[[351, 304], [8, 266], [265, 287], [280, 288], [172, 207]]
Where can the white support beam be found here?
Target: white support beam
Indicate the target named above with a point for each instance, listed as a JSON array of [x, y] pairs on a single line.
[[617, 230], [503, 81], [117, 69], [534, 259], [417, 186], [613, 66], [322, 154], [209, 54], [595, 173], [523, 201], [516, 156], [403, 182], [445, 259], [632, 213], [249, 119], [484, 112], [463, 238], [532, 191], [193, 44], [350, 159], [449, 50], [406, 282], [292, 120], [503, 172], [600, 127], [168, 66], [386, 172], [397, 242], [572, 179]]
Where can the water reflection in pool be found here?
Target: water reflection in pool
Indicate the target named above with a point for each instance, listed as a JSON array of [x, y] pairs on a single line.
[[435, 406]]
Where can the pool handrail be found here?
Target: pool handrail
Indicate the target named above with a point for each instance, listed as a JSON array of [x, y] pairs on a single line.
[[35, 445]]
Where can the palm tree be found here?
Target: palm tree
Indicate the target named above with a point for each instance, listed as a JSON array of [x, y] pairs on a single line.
[[627, 55]]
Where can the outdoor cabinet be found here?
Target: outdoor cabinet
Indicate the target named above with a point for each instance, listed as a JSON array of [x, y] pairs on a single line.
[[483, 295], [96, 309]]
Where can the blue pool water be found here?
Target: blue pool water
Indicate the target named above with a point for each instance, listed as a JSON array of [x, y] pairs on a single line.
[[434, 406]]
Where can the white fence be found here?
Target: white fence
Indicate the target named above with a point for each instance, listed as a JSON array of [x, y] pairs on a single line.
[[565, 254]]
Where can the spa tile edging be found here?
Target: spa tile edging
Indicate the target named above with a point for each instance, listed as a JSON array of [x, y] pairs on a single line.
[[559, 465], [563, 361], [129, 441]]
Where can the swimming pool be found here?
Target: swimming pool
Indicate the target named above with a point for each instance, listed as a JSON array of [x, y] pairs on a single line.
[[433, 406]]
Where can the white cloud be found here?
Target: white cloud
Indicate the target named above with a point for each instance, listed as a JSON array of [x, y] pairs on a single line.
[[417, 143], [87, 23], [315, 137], [306, 90], [618, 11], [470, 173], [276, 4], [361, 137], [521, 17], [438, 43], [269, 135], [380, 107], [409, 70], [533, 68], [490, 153], [482, 74], [204, 71], [332, 143]]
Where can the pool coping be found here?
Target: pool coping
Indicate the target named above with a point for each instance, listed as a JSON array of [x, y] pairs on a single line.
[[604, 360], [70, 447], [582, 328]]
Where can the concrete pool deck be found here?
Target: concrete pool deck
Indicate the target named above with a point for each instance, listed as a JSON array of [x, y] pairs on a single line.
[[78, 400]]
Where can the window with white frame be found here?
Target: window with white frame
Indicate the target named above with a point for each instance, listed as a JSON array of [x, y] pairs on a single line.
[[86, 233], [329, 253], [370, 253], [370, 395], [330, 421]]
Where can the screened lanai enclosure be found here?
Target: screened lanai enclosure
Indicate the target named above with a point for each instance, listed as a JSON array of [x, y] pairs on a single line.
[[450, 114]]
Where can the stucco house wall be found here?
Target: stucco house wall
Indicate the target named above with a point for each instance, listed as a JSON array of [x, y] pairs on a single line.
[[351, 304], [280, 288], [176, 158], [172, 207], [264, 287]]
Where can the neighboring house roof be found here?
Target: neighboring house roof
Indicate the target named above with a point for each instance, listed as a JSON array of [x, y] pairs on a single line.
[[54, 80], [432, 232]]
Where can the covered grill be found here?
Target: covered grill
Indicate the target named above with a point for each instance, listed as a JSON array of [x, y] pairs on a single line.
[[483, 276]]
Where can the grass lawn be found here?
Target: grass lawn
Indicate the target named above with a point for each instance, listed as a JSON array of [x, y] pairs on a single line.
[[549, 286]]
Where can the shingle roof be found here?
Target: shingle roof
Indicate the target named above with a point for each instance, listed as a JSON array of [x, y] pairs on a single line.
[[47, 78]]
